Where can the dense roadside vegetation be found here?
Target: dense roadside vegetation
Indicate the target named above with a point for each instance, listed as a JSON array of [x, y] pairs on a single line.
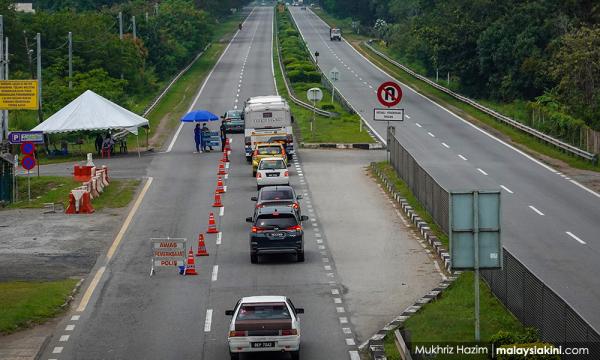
[[536, 60], [303, 75]]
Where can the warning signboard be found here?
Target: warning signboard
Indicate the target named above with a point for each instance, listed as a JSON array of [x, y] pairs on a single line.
[[168, 252], [18, 95]]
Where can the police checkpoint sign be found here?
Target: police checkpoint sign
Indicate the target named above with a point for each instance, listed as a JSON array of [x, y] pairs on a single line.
[[168, 252], [18, 94]]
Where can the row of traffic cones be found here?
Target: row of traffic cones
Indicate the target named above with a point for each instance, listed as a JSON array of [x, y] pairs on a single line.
[[190, 268]]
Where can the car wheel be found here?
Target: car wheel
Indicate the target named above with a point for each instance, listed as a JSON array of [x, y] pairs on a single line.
[[258, 187], [253, 258], [295, 355], [236, 356], [300, 256]]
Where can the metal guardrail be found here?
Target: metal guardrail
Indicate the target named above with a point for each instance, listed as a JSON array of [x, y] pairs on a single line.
[[533, 132]]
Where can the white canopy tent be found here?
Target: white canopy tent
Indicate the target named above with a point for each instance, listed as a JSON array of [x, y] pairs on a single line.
[[90, 111]]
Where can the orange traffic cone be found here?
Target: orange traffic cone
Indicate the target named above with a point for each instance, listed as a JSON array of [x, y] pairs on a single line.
[[201, 246], [221, 169], [218, 202], [225, 157], [190, 268], [212, 225], [220, 187]]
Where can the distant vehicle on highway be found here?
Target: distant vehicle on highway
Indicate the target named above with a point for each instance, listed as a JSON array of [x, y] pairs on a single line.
[[233, 121], [335, 34], [265, 150], [267, 117], [272, 171], [264, 323], [277, 196], [276, 230]]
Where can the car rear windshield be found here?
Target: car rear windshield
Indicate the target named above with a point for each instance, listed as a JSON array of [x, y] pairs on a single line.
[[272, 221], [234, 114], [270, 311], [272, 164], [280, 194], [269, 150]]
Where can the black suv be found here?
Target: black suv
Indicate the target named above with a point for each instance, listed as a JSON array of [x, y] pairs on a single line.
[[276, 231], [277, 196]]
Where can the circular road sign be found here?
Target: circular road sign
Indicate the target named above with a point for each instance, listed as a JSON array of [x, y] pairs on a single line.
[[389, 94], [314, 94], [27, 148], [28, 162]]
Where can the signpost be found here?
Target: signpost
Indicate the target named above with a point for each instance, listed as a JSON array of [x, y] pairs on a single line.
[[389, 94], [28, 162], [474, 218], [334, 75], [315, 95], [18, 94], [167, 252], [19, 137]]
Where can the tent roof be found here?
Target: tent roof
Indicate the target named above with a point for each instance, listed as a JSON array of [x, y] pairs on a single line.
[[90, 111]]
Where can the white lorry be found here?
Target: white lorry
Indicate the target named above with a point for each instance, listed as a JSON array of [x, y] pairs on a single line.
[[267, 119], [335, 34]]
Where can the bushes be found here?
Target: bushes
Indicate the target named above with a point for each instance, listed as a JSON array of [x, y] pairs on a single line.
[[297, 76]]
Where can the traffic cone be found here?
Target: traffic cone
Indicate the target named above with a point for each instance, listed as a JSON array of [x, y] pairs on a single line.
[[221, 169], [190, 268], [225, 157], [217, 202], [212, 225], [220, 187], [201, 246]]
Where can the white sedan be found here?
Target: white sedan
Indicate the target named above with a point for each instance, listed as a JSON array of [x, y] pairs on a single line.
[[264, 323], [272, 171]]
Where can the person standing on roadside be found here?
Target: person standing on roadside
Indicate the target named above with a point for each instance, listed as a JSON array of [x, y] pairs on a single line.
[[198, 138], [223, 135]]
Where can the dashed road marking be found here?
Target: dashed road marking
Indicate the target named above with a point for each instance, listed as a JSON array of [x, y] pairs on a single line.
[[419, 125], [70, 327], [575, 237], [208, 320], [462, 157], [481, 171], [350, 342], [337, 300], [507, 189], [222, 211], [446, 145], [215, 273], [354, 355], [430, 134], [64, 338], [340, 309], [536, 210], [219, 236], [75, 317], [327, 267], [57, 350], [346, 330], [335, 292]]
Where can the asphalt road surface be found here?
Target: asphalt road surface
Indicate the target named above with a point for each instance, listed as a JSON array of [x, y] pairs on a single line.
[[550, 222], [124, 313]]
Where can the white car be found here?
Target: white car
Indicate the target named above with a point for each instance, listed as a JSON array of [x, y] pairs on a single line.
[[272, 171], [264, 323]]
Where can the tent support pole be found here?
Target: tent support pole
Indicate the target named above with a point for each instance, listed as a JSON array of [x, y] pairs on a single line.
[[137, 138]]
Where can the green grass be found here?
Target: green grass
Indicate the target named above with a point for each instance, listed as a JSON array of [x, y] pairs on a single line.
[[24, 303], [342, 129], [406, 193], [56, 189]]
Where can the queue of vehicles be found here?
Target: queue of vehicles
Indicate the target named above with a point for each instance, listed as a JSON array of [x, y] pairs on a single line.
[[268, 323]]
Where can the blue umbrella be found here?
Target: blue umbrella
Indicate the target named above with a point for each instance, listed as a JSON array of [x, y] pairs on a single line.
[[199, 116]]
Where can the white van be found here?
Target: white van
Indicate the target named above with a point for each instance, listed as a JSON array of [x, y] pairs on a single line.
[[267, 119]]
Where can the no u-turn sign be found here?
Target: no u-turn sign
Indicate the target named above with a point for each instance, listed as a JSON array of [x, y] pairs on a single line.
[[389, 94]]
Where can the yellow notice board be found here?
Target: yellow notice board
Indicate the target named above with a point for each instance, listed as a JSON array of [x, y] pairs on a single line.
[[18, 95]]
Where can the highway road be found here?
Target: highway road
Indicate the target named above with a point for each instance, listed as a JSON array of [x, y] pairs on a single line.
[[124, 313], [550, 222]]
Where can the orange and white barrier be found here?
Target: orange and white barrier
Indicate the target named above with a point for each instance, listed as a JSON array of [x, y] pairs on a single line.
[[80, 202], [80, 198]]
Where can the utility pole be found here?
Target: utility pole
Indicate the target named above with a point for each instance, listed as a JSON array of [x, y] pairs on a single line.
[[156, 9], [120, 25], [70, 60], [38, 38], [5, 136], [3, 119], [134, 29], [146, 17]]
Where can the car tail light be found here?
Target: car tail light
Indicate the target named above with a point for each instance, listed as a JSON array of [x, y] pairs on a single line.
[[286, 174], [296, 206], [237, 333], [289, 332], [258, 175], [259, 206], [295, 227]]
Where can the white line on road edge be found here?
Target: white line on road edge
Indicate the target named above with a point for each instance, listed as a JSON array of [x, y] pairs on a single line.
[[215, 273], [57, 350], [350, 342], [219, 235], [222, 211], [203, 85], [536, 210], [446, 145], [419, 125], [75, 317], [64, 338], [430, 134], [575, 237], [208, 320], [70, 327], [113, 248], [462, 157], [354, 355], [481, 171], [507, 189]]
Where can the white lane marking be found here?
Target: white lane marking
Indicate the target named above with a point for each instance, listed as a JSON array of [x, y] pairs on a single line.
[[350, 342], [319, 241], [419, 125], [446, 145], [219, 235], [208, 320], [75, 317], [408, 117], [57, 350], [325, 260], [327, 267], [343, 320], [90, 290], [222, 211], [354, 355], [64, 338], [536, 210], [337, 300], [481, 171], [225, 188], [335, 292], [346, 330], [507, 189], [215, 273], [340, 309], [462, 157], [430, 134], [575, 237], [70, 327], [321, 247], [370, 86], [585, 188]]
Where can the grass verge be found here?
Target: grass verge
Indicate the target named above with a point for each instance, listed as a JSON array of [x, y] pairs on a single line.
[[56, 189], [406, 193], [24, 303]]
